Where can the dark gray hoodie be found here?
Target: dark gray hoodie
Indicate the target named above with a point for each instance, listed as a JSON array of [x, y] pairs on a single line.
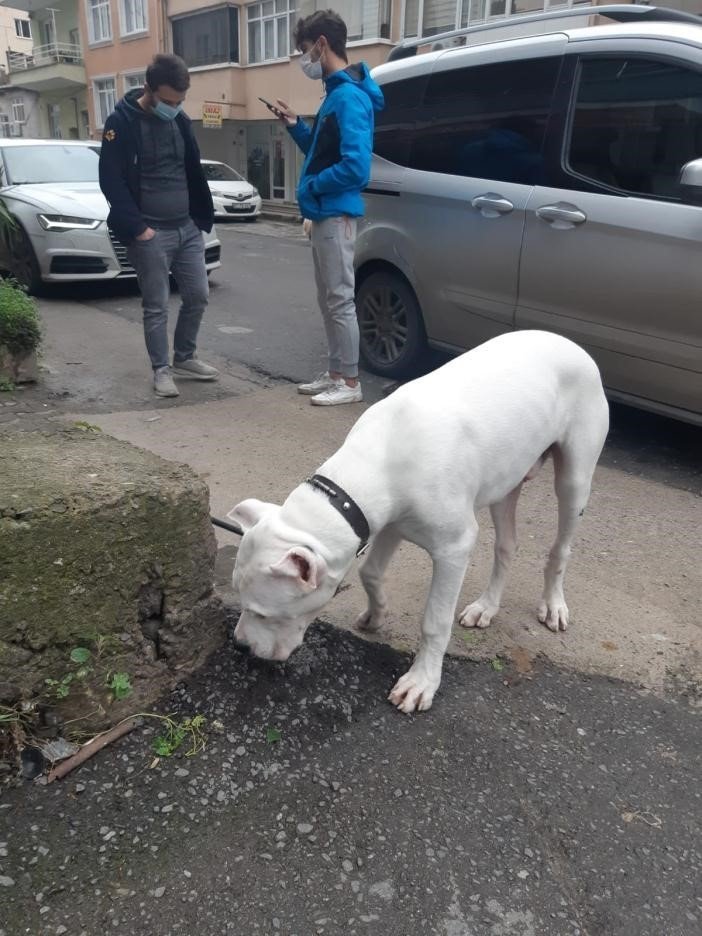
[[164, 198]]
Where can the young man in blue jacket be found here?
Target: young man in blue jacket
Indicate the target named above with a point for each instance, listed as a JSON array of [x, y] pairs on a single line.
[[160, 204], [338, 151]]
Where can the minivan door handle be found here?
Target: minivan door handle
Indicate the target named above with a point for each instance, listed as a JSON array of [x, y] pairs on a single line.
[[491, 205], [562, 215]]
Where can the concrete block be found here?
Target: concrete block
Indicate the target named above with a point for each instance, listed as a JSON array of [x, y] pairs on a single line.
[[107, 547], [18, 368]]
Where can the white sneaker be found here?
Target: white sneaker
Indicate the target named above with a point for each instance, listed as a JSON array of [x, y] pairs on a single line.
[[339, 393], [163, 383], [321, 382], [195, 369]]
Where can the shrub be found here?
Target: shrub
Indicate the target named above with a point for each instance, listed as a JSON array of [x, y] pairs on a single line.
[[20, 331]]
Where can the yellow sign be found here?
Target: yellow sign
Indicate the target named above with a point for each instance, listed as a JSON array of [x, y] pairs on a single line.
[[211, 115]]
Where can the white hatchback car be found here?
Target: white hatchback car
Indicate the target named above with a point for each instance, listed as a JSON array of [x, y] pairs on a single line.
[[232, 195], [51, 189]]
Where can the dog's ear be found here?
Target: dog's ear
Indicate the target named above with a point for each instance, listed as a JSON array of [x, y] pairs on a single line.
[[303, 565], [249, 512]]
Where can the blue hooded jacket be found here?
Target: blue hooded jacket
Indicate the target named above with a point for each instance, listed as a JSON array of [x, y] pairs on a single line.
[[339, 146]]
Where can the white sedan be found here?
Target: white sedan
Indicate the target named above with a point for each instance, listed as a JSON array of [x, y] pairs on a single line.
[[232, 195], [51, 190]]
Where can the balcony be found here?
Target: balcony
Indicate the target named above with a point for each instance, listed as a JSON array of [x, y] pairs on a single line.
[[29, 6], [52, 67]]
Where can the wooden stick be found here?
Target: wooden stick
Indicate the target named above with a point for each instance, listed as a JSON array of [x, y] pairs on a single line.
[[92, 747]]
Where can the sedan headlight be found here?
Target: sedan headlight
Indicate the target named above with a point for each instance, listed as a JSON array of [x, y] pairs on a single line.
[[67, 223], [220, 194], [255, 193]]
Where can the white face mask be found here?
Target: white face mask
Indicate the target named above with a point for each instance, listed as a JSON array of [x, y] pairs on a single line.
[[311, 69]]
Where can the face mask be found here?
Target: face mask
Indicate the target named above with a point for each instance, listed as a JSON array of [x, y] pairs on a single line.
[[311, 69], [166, 111]]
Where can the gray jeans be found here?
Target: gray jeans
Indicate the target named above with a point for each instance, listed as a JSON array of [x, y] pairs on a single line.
[[333, 242], [180, 251]]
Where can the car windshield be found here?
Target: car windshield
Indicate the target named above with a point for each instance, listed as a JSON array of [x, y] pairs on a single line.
[[33, 165], [220, 172]]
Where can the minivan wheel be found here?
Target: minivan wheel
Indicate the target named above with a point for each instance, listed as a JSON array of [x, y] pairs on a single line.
[[392, 336]]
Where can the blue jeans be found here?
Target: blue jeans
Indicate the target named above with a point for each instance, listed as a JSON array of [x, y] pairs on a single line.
[[180, 251]]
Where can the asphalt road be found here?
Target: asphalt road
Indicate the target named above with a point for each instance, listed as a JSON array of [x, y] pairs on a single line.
[[262, 310], [263, 314], [539, 804]]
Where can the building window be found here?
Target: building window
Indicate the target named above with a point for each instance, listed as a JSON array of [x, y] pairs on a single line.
[[54, 121], [18, 116], [133, 17], [134, 81], [23, 28], [4, 126], [99, 23], [270, 27], [430, 17], [210, 38], [363, 20], [105, 97], [49, 33]]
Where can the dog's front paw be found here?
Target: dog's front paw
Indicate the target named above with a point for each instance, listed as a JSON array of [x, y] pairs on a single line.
[[371, 621], [414, 692], [554, 614], [478, 614]]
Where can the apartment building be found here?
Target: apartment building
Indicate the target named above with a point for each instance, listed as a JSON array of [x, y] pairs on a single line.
[[50, 68], [238, 54], [119, 39], [18, 113]]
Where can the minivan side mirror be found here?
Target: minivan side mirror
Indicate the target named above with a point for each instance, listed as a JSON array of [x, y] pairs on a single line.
[[691, 182]]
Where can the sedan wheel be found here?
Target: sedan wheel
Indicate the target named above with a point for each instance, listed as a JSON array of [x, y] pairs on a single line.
[[23, 262], [392, 336]]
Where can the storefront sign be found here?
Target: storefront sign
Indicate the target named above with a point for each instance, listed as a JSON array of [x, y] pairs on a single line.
[[211, 116]]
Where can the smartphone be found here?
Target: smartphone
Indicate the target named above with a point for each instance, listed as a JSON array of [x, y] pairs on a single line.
[[270, 107]]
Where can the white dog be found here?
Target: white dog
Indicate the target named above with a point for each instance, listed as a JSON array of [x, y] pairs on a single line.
[[418, 466]]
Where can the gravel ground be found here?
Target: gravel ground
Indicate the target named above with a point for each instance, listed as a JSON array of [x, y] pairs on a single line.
[[523, 804]]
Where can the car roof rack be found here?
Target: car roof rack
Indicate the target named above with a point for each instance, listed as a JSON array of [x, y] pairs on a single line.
[[620, 12]]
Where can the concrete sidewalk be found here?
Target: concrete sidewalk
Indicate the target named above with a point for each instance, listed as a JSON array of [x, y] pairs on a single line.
[[634, 585]]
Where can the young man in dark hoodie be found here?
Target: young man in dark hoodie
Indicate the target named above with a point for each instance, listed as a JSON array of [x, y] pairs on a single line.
[[160, 204], [338, 152]]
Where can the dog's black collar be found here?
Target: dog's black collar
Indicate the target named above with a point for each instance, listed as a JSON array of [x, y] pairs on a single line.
[[347, 507]]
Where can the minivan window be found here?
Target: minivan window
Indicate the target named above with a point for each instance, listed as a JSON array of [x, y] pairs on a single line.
[[636, 122], [487, 121], [394, 125]]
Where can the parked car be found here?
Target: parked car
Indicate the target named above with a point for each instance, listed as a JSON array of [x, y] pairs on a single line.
[[232, 195], [51, 189], [548, 181]]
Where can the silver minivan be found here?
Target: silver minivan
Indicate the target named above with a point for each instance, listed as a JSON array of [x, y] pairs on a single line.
[[546, 181]]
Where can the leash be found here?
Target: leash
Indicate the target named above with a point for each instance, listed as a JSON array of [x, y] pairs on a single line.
[[232, 527]]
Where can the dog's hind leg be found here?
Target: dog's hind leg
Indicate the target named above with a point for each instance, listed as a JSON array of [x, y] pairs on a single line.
[[504, 518], [415, 690], [574, 462], [372, 575]]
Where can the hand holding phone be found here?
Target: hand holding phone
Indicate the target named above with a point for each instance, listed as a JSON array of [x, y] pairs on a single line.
[[281, 111], [272, 108]]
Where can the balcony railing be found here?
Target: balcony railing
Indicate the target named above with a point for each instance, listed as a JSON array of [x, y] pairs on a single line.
[[56, 53]]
